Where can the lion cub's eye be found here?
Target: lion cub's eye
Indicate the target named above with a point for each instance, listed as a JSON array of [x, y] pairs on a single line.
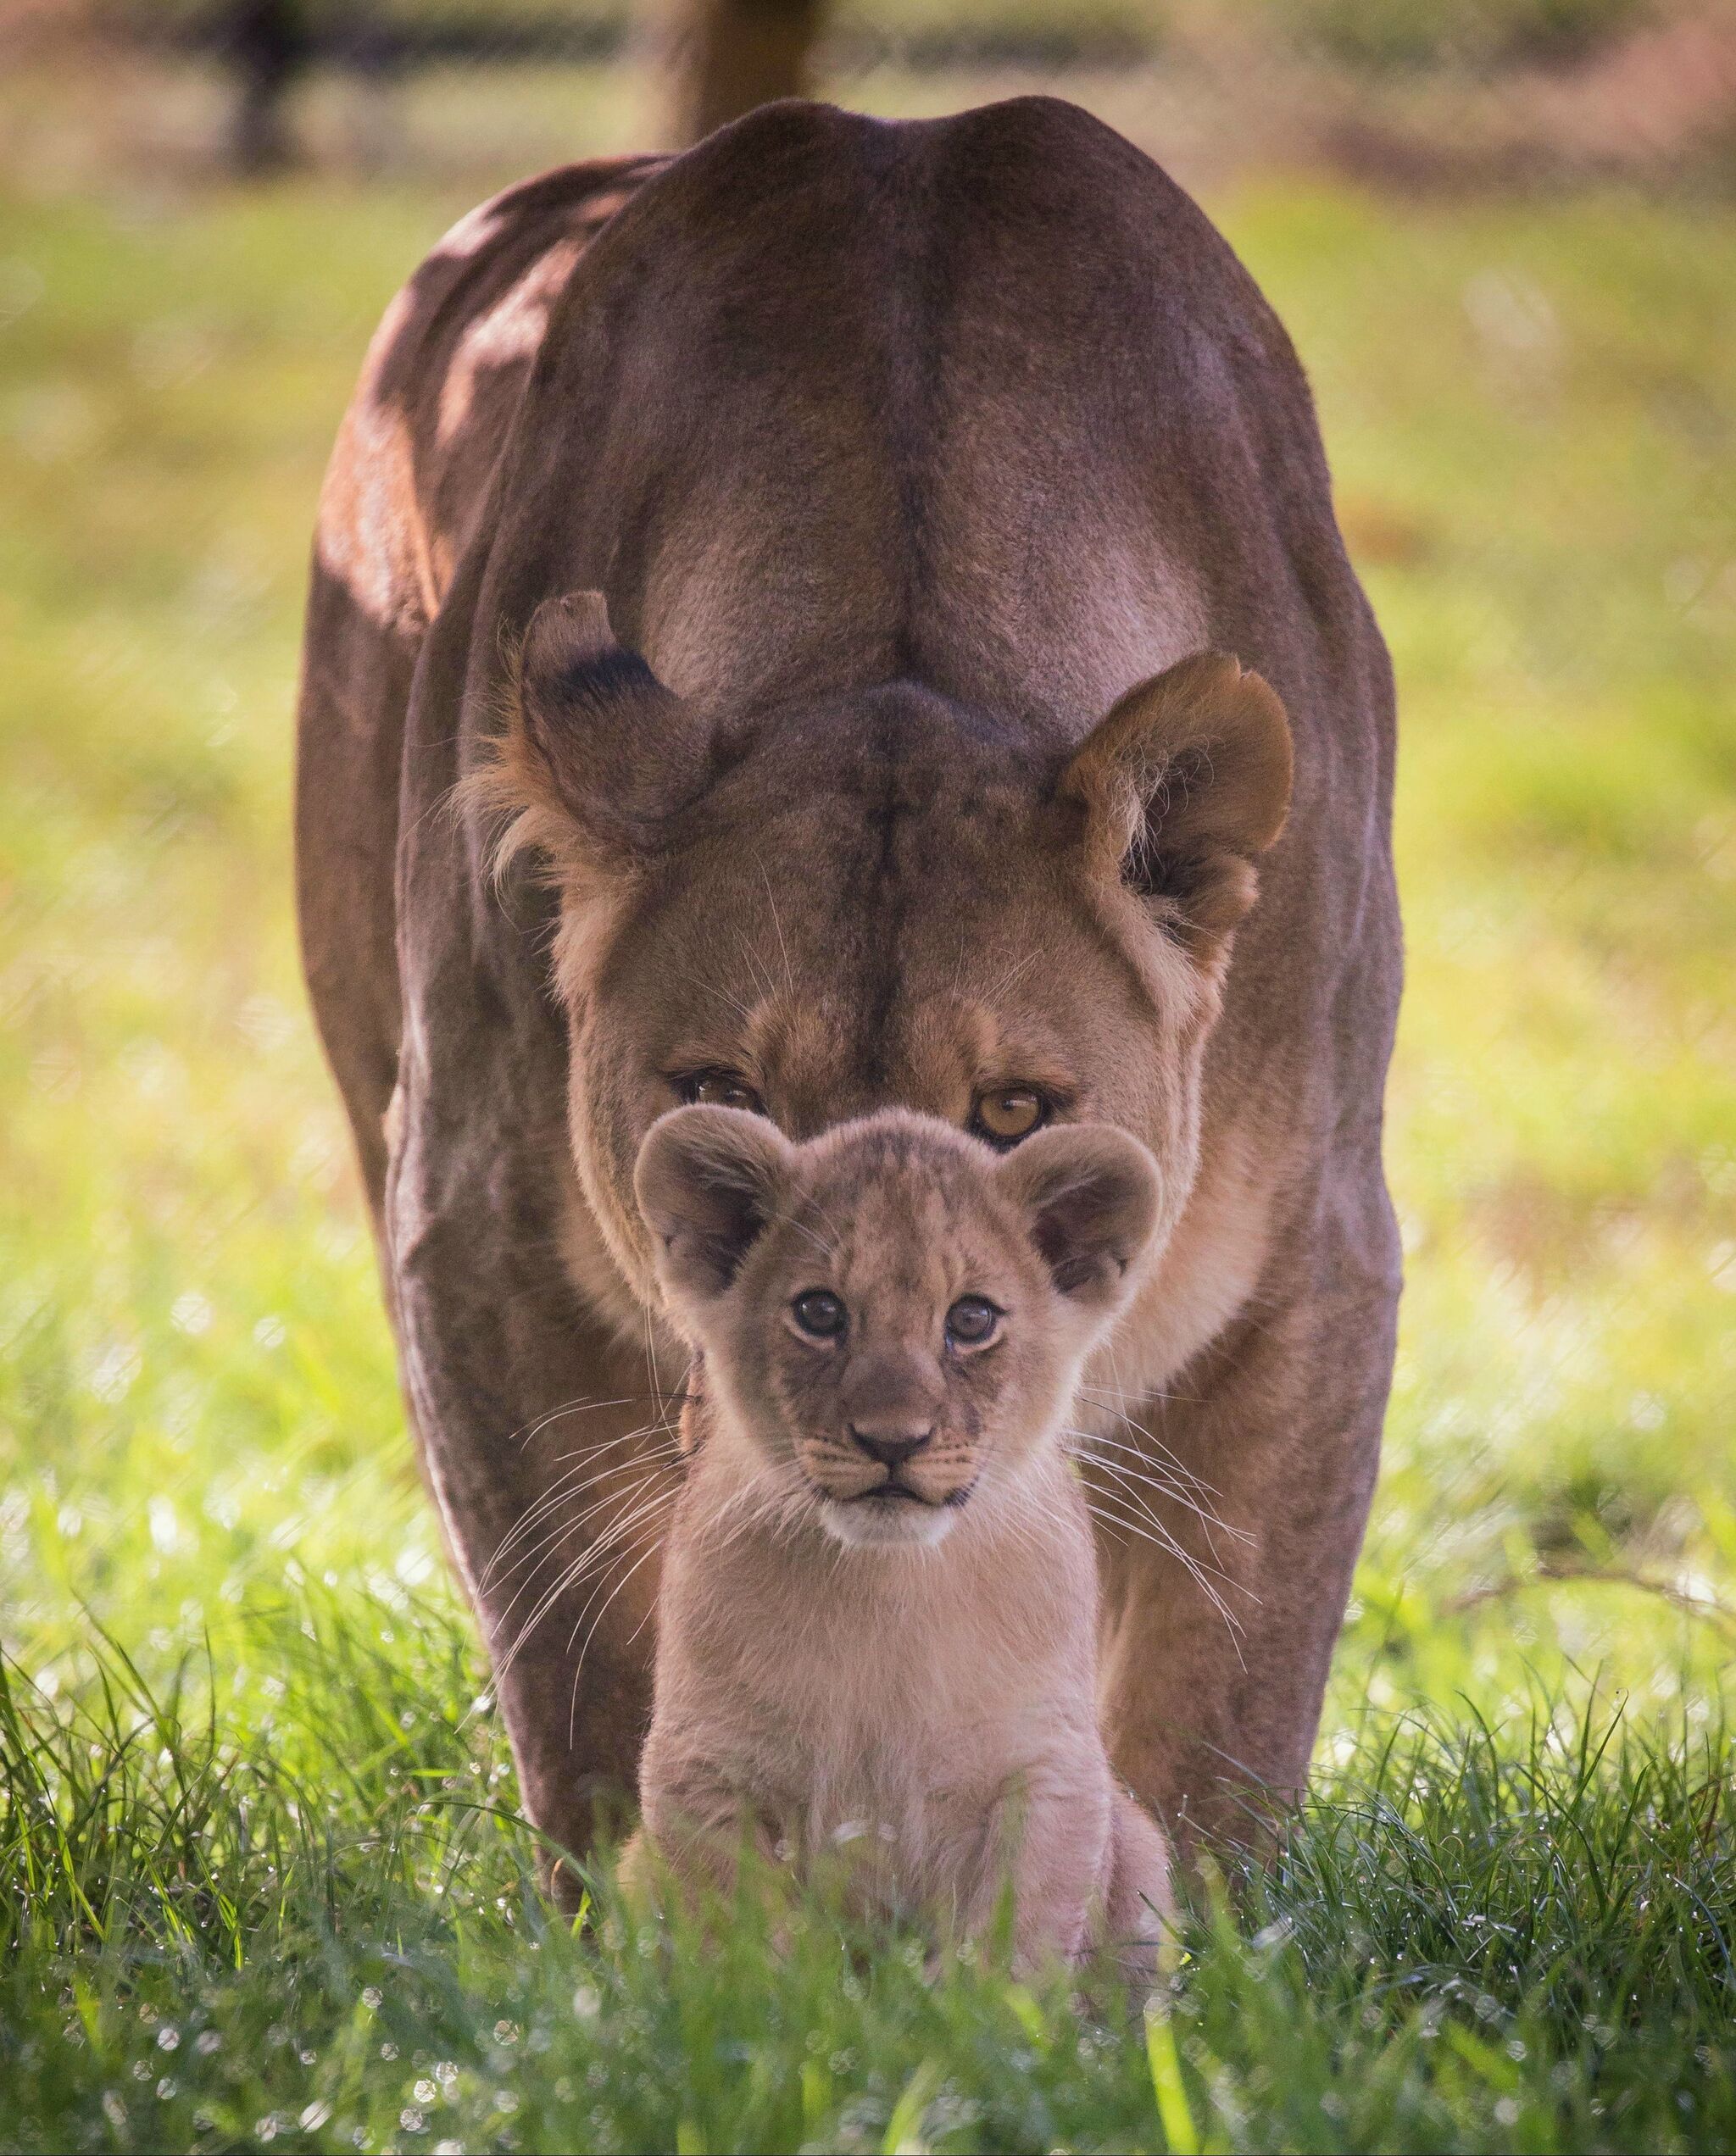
[[719, 1089], [819, 1314], [1009, 1114], [971, 1321]]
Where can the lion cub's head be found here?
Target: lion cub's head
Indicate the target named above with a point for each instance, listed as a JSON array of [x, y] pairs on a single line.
[[891, 1316]]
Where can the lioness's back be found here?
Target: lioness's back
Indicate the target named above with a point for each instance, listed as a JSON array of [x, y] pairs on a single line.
[[991, 385]]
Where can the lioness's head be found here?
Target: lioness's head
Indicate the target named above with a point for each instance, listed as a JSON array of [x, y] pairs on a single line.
[[814, 910], [891, 1316]]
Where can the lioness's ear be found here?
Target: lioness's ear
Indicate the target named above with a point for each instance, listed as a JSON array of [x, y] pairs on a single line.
[[597, 752], [1090, 1192], [708, 1182], [1185, 783]]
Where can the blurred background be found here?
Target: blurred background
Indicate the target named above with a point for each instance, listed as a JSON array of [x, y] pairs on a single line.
[[1503, 235]]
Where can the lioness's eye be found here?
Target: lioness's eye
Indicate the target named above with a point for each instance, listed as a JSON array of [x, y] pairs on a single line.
[[971, 1320], [719, 1089], [819, 1314], [1012, 1113]]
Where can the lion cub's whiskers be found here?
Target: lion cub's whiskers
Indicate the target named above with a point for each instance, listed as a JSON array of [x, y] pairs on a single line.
[[752, 1504], [663, 1459], [660, 1459], [1099, 1401], [595, 1550], [1132, 1481], [881, 1603], [594, 1554], [1150, 1529], [1089, 1448], [557, 1493], [1097, 1506], [583, 1406], [570, 1484], [578, 1666]]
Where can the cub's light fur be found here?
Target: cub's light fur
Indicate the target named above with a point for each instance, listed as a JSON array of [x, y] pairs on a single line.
[[878, 1618]]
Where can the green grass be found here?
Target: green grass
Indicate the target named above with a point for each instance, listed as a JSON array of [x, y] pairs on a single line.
[[300, 1915], [258, 1862]]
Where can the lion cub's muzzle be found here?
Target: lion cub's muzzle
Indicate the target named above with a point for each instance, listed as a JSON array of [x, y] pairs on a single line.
[[890, 1486]]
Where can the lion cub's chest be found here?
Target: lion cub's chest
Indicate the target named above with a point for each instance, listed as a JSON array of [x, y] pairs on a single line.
[[872, 1703]]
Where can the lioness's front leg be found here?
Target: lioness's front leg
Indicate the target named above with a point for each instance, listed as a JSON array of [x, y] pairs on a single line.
[[553, 1475], [1213, 1677], [521, 1392]]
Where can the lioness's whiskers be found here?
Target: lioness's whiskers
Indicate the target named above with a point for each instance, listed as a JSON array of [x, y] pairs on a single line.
[[724, 996], [789, 976], [762, 979]]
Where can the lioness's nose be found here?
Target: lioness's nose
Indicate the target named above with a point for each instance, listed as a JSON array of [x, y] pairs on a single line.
[[891, 1448]]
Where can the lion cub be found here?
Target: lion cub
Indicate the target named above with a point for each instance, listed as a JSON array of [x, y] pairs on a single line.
[[877, 1614]]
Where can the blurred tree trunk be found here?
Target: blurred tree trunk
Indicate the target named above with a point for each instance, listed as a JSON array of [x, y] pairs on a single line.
[[727, 56], [267, 44]]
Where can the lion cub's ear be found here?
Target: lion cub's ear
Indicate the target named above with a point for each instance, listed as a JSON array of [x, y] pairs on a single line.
[[598, 753], [1184, 784], [1090, 1192], [709, 1180]]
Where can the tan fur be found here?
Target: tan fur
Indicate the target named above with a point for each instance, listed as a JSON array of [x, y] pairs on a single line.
[[911, 1697], [837, 555]]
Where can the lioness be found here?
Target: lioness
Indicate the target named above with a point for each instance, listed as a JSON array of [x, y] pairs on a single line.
[[824, 535], [893, 1324]]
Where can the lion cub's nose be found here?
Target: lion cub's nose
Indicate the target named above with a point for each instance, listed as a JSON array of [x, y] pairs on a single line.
[[891, 1398], [892, 1447]]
